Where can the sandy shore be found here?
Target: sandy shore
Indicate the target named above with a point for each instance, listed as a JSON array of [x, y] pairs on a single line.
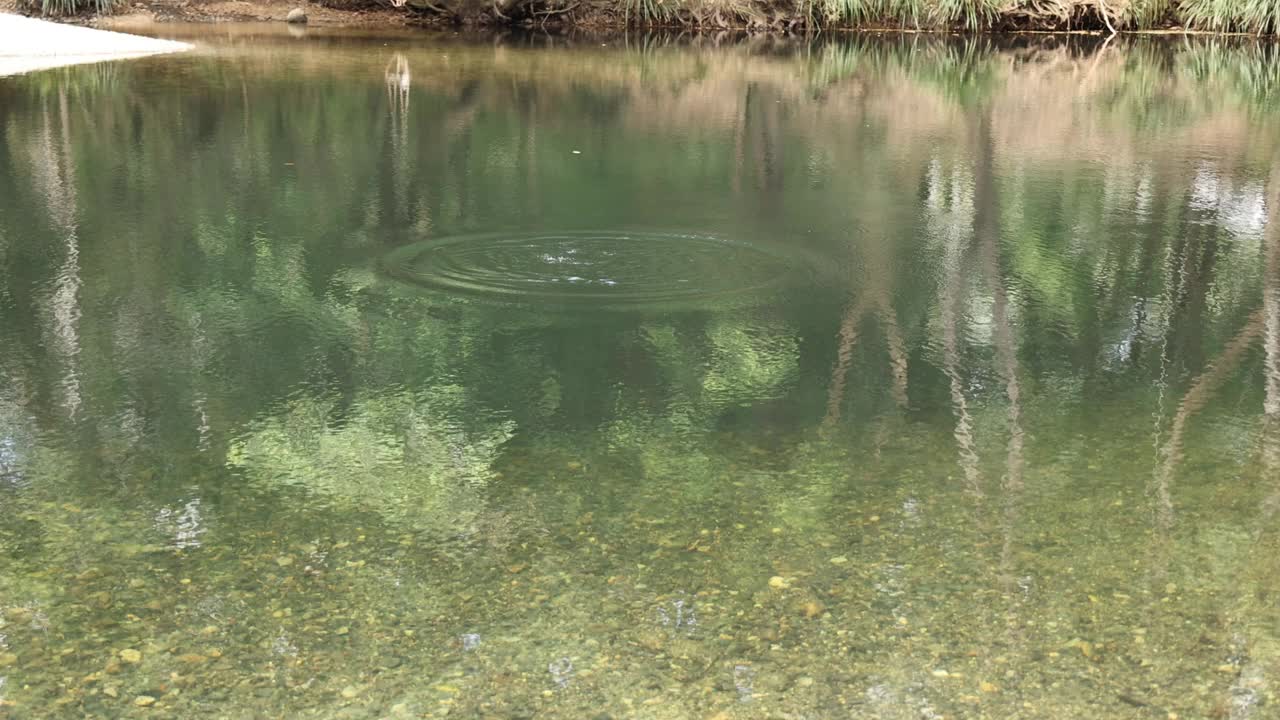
[[27, 44]]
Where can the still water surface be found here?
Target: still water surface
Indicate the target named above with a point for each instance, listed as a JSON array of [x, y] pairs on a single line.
[[378, 377]]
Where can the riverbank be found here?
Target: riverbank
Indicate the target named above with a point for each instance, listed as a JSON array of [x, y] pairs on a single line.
[[146, 12], [1101, 16], [28, 44]]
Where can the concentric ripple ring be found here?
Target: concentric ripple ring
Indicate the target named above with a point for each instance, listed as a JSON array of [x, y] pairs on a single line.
[[605, 268]]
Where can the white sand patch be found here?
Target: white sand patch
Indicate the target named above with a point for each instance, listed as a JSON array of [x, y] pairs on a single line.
[[27, 44]]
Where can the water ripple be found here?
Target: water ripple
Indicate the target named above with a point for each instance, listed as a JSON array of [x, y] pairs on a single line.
[[601, 268]]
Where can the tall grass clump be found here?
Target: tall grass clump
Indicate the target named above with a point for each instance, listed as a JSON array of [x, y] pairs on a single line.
[[1255, 16], [64, 8], [1144, 14], [970, 14], [1252, 16], [650, 12], [868, 12]]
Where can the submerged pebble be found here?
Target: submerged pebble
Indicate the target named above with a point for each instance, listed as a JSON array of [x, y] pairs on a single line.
[[561, 671], [744, 677]]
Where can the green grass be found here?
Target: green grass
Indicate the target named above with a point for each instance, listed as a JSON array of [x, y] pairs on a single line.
[[969, 14], [1145, 13], [917, 14], [1253, 16]]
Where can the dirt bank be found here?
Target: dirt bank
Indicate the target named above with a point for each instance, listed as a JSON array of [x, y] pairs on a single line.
[[146, 11]]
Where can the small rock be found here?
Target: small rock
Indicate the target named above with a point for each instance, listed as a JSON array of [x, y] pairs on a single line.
[[110, 692], [144, 701], [297, 16], [349, 692], [285, 560], [839, 560], [131, 656], [777, 582], [652, 641], [812, 609]]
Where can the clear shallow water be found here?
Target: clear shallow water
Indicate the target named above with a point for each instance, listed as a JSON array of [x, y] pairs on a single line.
[[362, 377]]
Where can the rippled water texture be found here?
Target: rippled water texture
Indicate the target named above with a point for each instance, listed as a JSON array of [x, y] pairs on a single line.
[[376, 375], [607, 268]]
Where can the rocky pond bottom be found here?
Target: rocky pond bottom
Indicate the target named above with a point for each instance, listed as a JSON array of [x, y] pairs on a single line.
[[365, 377], [801, 583]]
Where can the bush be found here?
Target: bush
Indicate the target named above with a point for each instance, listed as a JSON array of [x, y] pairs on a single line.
[[64, 8]]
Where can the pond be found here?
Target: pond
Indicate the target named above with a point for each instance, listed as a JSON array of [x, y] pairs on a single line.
[[364, 375]]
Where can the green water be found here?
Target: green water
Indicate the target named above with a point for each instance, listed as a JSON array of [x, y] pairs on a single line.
[[363, 376]]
